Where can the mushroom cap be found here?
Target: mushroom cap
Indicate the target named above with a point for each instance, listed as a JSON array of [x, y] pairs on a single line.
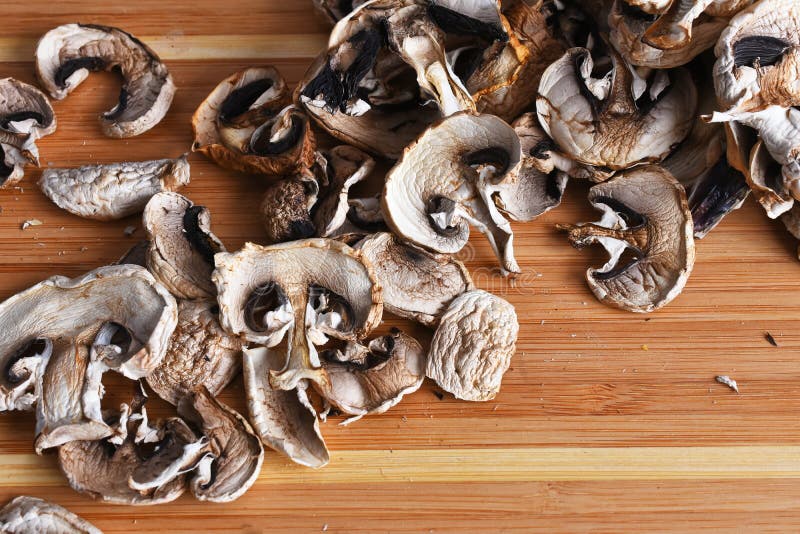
[[29, 515], [442, 183], [65, 55], [182, 246], [621, 127], [472, 347], [200, 352], [645, 211], [286, 209], [25, 116], [113, 191], [417, 284]]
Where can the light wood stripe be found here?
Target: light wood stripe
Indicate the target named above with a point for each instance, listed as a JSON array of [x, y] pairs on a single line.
[[199, 47], [495, 465]]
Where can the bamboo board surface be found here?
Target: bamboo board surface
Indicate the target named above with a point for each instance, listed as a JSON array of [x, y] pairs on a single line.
[[607, 421]]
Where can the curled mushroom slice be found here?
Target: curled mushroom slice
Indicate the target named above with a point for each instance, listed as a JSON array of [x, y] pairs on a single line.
[[472, 347], [311, 288], [767, 184], [718, 192], [444, 181], [113, 191], [608, 121], [182, 246], [234, 453], [65, 56], [345, 166], [417, 284], [673, 29], [372, 379], [758, 58], [284, 420], [61, 335], [25, 116], [29, 515], [200, 353], [647, 230]]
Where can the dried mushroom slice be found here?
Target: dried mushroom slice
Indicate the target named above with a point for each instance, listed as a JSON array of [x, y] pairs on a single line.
[[766, 182], [717, 193], [182, 246], [312, 288], [758, 58], [286, 208], [113, 191], [65, 56], [345, 167], [200, 353], [12, 165], [29, 515], [371, 379], [246, 124], [336, 10], [417, 284], [473, 345], [284, 420], [234, 453], [444, 182], [647, 230], [25, 116], [612, 121]]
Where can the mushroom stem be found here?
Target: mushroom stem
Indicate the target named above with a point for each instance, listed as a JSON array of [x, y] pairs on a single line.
[[586, 234], [620, 97]]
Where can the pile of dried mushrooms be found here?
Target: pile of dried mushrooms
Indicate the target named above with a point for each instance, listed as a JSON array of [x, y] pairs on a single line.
[[676, 110]]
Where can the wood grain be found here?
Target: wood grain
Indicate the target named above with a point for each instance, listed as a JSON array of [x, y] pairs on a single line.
[[606, 422]]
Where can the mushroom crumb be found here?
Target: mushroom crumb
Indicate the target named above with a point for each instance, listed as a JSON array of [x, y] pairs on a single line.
[[770, 339], [728, 381], [31, 222]]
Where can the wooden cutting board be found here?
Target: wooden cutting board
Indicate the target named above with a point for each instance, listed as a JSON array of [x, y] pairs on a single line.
[[607, 421]]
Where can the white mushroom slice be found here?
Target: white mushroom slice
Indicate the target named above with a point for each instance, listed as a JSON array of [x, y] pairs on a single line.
[[234, 452], [29, 515], [114, 191], [620, 129], [372, 379], [284, 420], [472, 347], [443, 183], [182, 246], [246, 124], [645, 214], [311, 288], [25, 116], [758, 58], [417, 284], [66, 55], [200, 353], [115, 317]]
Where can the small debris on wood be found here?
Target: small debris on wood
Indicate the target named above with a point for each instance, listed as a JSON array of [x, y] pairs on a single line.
[[771, 339], [325, 527], [129, 231], [728, 381], [439, 395], [645, 348], [31, 222]]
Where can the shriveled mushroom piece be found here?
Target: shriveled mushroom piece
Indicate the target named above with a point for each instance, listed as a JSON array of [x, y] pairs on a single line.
[[182, 246], [286, 208], [472, 347], [29, 515], [312, 288], [62, 334], [444, 182], [371, 379], [200, 353], [718, 192], [25, 116], [647, 230], [758, 58], [113, 191], [234, 453], [284, 420], [336, 10], [611, 121], [417, 284], [246, 124], [767, 184], [67, 54]]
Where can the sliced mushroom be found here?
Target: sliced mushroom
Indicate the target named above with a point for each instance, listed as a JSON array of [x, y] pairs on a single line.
[[286, 209], [472, 347], [29, 515], [609, 121], [246, 124], [284, 420], [673, 29], [767, 184], [758, 58], [12, 165], [311, 288], [235, 454], [417, 284], [372, 379], [65, 56], [444, 183], [25, 116], [200, 353], [647, 230], [113, 191], [336, 10], [182, 246], [717, 193], [345, 166]]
